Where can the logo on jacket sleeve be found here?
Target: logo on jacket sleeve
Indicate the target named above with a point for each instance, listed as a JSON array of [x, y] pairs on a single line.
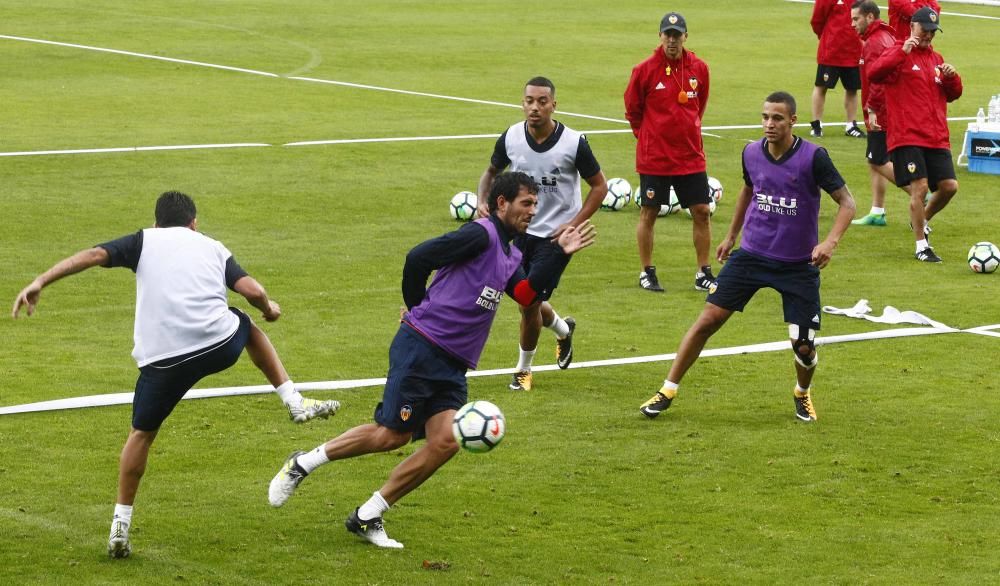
[[489, 298]]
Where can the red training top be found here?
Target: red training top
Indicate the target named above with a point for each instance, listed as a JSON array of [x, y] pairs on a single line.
[[901, 11], [877, 38], [839, 44]]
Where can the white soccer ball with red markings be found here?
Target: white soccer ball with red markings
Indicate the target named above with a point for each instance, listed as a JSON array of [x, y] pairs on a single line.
[[715, 189], [984, 257], [479, 426], [463, 206]]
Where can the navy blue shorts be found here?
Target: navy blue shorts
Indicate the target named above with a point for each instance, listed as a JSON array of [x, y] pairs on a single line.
[[744, 274], [163, 384], [535, 250], [423, 381]]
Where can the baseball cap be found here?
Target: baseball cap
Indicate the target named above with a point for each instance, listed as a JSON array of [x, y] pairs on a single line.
[[673, 22], [927, 18]]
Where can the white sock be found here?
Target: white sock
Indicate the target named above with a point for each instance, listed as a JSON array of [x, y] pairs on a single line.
[[123, 513], [524, 360], [559, 326], [313, 459], [877, 211], [669, 387], [373, 507], [922, 244], [802, 391], [289, 396]]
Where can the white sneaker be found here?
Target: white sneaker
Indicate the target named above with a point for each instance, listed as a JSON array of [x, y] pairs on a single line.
[[372, 530], [118, 543], [285, 481], [311, 409]]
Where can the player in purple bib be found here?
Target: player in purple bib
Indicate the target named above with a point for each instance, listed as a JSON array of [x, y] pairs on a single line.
[[778, 213], [441, 336]]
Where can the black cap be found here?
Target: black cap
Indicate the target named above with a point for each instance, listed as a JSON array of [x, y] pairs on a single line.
[[927, 18], [673, 22]]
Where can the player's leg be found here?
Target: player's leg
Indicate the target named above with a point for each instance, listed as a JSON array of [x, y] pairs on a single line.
[[654, 191], [910, 169], [823, 79], [531, 327], [563, 329], [850, 78], [692, 193], [799, 289], [941, 181], [265, 357]]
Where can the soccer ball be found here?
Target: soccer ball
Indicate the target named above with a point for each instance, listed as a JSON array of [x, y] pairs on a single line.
[[619, 194], [479, 426], [711, 209], [984, 257], [463, 205], [715, 189], [671, 208]]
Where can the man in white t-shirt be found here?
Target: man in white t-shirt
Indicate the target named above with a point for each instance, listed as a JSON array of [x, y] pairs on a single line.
[[184, 330], [556, 157]]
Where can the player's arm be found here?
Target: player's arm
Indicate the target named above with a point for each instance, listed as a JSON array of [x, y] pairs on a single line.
[[498, 162], [71, 265], [884, 69], [635, 101], [239, 281], [743, 199], [538, 284], [588, 168], [951, 82], [820, 11], [465, 243], [829, 179], [703, 94]]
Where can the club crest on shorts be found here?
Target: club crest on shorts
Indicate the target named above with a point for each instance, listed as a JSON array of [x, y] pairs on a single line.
[[405, 412], [650, 193], [911, 167], [826, 77], [713, 287]]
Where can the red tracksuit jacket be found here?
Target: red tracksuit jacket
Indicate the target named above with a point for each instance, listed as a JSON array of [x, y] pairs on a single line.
[[839, 44], [917, 96], [901, 11], [668, 131], [878, 38]]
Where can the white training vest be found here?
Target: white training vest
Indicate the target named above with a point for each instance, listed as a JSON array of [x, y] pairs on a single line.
[[556, 175], [181, 296]]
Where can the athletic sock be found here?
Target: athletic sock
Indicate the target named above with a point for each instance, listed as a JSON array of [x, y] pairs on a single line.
[[372, 508], [877, 211], [313, 459], [922, 244], [669, 389], [289, 396], [559, 326], [802, 391], [123, 513], [525, 359]]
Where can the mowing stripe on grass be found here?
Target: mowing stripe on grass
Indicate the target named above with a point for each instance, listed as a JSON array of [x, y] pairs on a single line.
[[126, 398]]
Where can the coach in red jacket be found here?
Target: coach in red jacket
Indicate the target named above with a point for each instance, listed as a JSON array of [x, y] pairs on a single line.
[[837, 58], [877, 37], [918, 87], [664, 102], [901, 11]]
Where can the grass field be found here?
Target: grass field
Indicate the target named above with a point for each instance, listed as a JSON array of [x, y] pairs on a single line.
[[896, 482]]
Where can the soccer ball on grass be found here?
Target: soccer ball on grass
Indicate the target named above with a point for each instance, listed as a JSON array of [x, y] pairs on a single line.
[[984, 257], [463, 205], [619, 194], [479, 426]]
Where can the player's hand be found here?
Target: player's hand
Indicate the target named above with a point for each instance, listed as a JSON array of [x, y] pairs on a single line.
[[947, 69], [559, 231], [909, 44], [575, 238], [822, 254], [724, 248], [273, 311], [873, 121], [27, 297], [483, 210]]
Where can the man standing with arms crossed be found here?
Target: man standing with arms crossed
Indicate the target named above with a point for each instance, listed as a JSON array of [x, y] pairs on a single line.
[[877, 37], [556, 157], [918, 86], [837, 58], [664, 102], [778, 212]]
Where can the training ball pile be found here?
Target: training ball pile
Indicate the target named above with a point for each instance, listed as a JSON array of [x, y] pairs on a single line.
[[479, 426], [984, 257], [463, 206], [618, 196]]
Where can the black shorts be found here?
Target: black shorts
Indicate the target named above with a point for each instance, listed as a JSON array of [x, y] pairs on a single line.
[[161, 385], [827, 76], [877, 154], [423, 381], [537, 250], [690, 189], [910, 163], [744, 274]]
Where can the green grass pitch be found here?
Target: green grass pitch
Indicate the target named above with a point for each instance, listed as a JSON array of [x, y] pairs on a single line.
[[896, 483]]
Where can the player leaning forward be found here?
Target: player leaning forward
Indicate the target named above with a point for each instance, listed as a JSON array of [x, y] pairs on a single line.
[[441, 336], [555, 156], [184, 330], [778, 212]]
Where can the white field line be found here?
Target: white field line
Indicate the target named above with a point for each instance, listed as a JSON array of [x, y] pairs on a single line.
[[126, 398], [979, 2], [179, 147]]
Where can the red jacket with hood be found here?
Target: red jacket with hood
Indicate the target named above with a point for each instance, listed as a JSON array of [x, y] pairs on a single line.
[[839, 44]]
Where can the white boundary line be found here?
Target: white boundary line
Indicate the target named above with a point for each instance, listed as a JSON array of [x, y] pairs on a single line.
[[126, 398]]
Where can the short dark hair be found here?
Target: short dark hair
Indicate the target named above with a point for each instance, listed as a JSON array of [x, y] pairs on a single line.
[[508, 185], [782, 98], [866, 7], [539, 81], [174, 208]]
